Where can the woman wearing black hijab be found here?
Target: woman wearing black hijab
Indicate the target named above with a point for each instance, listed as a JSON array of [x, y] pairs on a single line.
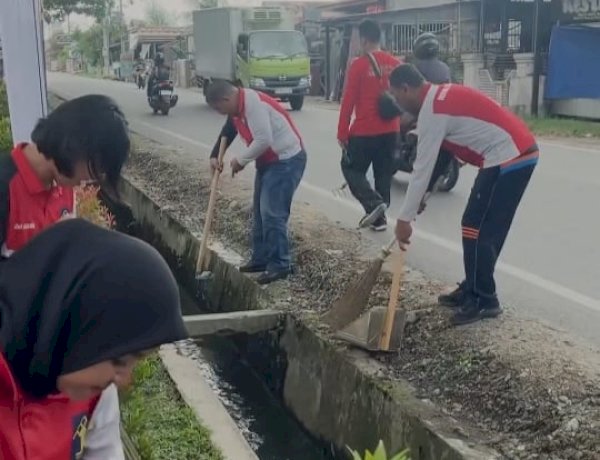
[[79, 305]]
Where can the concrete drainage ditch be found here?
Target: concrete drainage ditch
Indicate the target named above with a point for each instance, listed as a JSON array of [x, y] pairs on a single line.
[[334, 393]]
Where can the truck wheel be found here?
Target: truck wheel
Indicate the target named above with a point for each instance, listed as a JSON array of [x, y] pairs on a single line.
[[165, 110], [297, 102]]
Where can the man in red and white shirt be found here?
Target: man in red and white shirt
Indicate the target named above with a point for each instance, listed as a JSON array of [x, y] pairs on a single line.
[[478, 131], [84, 139], [367, 139], [274, 144]]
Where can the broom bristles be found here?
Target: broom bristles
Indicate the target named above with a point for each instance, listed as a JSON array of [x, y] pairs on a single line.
[[353, 302]]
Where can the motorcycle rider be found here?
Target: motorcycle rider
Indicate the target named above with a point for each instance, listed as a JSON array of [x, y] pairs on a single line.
[[426, 50], [159, 73]]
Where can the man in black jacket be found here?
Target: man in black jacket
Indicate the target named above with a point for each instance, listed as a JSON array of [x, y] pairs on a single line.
[[426, 50]]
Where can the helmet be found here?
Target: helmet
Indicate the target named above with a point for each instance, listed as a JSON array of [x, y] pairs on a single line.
[[426, 46]]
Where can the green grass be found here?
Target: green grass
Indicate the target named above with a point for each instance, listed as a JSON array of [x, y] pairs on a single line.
[[160, 424], [6, 142], [564, 127]]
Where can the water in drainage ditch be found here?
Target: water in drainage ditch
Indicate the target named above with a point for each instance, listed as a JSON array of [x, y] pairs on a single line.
[[268, 427]]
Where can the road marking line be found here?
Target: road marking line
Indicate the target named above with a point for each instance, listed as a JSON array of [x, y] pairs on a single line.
[[568, 147], [538, 281], [181, 137], [521, 274]]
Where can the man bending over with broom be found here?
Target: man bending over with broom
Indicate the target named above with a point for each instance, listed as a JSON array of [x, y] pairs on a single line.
[[480, 132], [274, 143]]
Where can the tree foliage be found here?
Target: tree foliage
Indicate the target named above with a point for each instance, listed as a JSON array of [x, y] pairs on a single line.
[[157, 15], [89, 43], [60, 9]]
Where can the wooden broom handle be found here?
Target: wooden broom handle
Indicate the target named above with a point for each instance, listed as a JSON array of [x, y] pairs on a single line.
[[390, 316], [212, 201]]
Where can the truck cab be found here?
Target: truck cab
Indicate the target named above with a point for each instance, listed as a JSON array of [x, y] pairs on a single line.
[[275, 62]]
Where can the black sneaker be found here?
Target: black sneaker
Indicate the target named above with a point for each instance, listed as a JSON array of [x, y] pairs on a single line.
[[455, 298], [475, 309], [371, 217], [251, 267], [270, 277], [380, 225]]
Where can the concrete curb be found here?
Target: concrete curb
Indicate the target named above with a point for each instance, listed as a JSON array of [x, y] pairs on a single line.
[[335, 397], [198, 395]]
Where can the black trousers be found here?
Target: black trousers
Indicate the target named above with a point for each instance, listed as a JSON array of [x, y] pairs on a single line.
[[363, 152], [486, 221]]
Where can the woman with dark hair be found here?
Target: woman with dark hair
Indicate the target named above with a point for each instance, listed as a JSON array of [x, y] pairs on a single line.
[[79, 306]]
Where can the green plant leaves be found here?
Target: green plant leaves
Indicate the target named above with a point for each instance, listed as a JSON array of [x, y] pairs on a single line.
[[379, 454]]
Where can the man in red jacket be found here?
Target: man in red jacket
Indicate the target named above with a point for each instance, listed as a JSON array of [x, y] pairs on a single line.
[[367, 139]]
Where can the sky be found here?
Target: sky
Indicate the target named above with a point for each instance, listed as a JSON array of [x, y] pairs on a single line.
[[137, 9]]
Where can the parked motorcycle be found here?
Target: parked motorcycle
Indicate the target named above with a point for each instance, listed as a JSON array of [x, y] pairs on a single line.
[[406, 152], [163, 97]]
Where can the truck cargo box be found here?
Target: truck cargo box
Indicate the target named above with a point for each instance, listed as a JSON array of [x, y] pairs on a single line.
[[215, 34]]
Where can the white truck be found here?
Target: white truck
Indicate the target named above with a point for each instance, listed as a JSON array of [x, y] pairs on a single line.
[[255, 48]]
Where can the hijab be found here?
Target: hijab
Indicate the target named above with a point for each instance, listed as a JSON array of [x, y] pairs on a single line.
[[78, 295]]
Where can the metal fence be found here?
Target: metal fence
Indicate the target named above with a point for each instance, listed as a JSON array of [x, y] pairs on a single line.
[[404, 35]]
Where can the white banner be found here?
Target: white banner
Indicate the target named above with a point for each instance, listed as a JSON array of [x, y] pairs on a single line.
[[21, 32]]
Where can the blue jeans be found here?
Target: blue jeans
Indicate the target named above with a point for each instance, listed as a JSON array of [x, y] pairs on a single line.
[[274, 187]]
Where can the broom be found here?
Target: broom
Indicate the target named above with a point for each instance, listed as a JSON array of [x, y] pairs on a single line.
[[350, 305]]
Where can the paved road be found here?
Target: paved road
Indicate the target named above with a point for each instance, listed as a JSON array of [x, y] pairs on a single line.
[[550, 264]]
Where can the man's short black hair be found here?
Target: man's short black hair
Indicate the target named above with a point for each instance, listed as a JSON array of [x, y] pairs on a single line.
[[406, 74], [218, 90], [90, 129], [370, 31]]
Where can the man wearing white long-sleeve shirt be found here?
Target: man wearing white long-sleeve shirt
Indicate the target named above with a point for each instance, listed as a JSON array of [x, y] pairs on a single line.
[[274, 143], [480, 132]]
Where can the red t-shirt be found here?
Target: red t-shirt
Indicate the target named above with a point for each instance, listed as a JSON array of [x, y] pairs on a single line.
[[26, 206], [361, 93]]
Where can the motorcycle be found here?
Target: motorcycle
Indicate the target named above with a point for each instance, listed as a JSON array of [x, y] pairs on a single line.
[[406, 152], [163, 97]]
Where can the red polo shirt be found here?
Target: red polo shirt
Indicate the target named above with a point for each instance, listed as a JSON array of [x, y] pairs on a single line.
[[27, 206], [53, 428]]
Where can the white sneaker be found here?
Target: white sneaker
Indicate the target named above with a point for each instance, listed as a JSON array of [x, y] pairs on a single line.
[[372, 217]]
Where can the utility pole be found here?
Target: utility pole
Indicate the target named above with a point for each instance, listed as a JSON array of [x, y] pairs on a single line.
[[106, 40], [122, 26], [537, 59], [459, 28]]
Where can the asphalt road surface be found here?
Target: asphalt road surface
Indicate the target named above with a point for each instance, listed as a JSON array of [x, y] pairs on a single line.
[[550, 264]]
